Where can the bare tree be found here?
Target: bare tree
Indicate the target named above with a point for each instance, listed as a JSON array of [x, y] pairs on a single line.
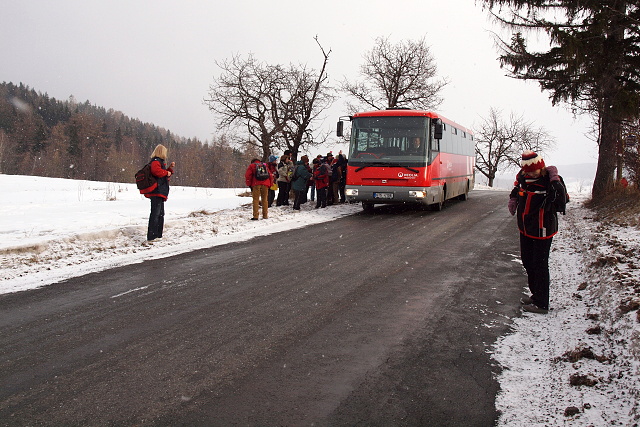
[[396, 75], [499, 143], [310, 97], [276, 104], [249, 93]]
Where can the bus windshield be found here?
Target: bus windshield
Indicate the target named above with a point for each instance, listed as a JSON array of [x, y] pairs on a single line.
[[381, 140]]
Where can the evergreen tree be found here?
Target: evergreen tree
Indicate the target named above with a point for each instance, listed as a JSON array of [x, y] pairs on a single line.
[[592, 64]]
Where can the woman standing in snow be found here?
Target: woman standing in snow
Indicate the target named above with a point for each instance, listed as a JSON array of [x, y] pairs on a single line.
[[536, 198], [160, 194]]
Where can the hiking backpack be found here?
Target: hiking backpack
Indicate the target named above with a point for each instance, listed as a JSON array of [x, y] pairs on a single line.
[[145, 180], [262, 172], [566, 193]]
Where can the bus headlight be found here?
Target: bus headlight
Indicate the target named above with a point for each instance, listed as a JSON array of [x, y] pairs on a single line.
[[418, 194], [351, 192]]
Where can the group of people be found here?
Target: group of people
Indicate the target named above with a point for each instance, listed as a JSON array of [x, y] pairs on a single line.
[[325, 176], [537, 197]]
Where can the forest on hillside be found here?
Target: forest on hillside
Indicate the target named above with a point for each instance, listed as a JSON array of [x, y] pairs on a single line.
[[43, 136]]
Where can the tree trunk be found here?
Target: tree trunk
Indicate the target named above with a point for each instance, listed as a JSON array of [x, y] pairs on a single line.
[[603, 182]]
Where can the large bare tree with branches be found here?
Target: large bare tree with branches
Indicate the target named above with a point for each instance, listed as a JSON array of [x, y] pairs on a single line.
[[276, 104], [500, 142], [249, 93], [311, 95], [396, 75]]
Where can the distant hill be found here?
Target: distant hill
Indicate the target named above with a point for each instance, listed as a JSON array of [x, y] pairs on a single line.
[[574, 175], [43, 136]]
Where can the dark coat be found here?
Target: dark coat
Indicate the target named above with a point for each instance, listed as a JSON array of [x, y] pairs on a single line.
[[538, 201], [302, 175], [160, 171]]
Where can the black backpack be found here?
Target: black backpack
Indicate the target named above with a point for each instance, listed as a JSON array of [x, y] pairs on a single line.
[[145, 180], [262, 172], [566, 194]]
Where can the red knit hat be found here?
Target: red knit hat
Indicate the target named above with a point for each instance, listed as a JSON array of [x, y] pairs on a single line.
[[531, 161]]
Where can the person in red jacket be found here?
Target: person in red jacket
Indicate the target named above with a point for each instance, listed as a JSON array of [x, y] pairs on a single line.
[[537, 197], [259, 188], [321, 178], [160, 194]]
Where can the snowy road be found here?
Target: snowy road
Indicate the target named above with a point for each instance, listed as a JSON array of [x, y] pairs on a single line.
[[383, 318]]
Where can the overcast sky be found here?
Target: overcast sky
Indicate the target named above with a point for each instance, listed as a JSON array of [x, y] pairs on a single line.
[[155, 59]]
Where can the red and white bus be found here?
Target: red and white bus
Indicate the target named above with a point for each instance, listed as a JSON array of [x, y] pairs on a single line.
[[408, 156]]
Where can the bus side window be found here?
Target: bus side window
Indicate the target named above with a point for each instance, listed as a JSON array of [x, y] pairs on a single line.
[[435, 145]]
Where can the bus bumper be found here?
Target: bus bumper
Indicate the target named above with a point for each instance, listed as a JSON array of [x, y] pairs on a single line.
[[374, 194]]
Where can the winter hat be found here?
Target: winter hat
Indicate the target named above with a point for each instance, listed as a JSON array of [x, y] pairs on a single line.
[[273, 159], [531, 161]]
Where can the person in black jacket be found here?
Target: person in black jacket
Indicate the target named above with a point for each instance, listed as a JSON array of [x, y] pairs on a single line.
[[160, 194], [537, 197]]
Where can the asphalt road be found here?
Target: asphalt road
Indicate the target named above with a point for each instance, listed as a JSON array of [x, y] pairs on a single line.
[[376, 319]]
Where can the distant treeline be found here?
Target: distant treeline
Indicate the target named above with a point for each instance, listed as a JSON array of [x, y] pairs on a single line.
[[42, 136]]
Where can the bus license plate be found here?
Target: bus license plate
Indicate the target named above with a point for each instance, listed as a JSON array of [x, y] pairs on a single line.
[[383, 195]]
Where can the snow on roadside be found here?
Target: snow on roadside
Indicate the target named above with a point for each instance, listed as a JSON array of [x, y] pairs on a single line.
[[54, 229], [580, 364]]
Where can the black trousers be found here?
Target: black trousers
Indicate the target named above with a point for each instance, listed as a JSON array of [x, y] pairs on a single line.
[[535, 260], [322, 197], [271, 197], [283, 193], [156, 218], [300, 198]]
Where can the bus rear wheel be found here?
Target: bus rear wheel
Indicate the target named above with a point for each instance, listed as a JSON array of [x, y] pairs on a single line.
[[465, 195]]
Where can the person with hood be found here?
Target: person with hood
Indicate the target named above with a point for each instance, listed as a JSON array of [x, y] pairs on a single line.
[[259, 187], [301, 175], [160, 194], [537, 197], [321, 178]]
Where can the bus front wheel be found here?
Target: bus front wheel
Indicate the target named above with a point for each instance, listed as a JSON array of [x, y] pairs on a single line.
[[439, 205]]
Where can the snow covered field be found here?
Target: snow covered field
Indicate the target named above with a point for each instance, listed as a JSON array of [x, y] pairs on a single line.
[[54, 229]]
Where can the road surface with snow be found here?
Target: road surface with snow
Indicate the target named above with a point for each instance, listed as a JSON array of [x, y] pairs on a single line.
[[383, 319]]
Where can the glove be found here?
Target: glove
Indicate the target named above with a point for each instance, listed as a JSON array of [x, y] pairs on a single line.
[[553, 173], [513, 205]]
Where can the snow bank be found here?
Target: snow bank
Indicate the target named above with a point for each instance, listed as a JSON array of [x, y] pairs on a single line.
[[580, 364]]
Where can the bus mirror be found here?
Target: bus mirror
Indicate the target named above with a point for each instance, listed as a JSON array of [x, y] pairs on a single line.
[[437, 131], [340, 129]]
